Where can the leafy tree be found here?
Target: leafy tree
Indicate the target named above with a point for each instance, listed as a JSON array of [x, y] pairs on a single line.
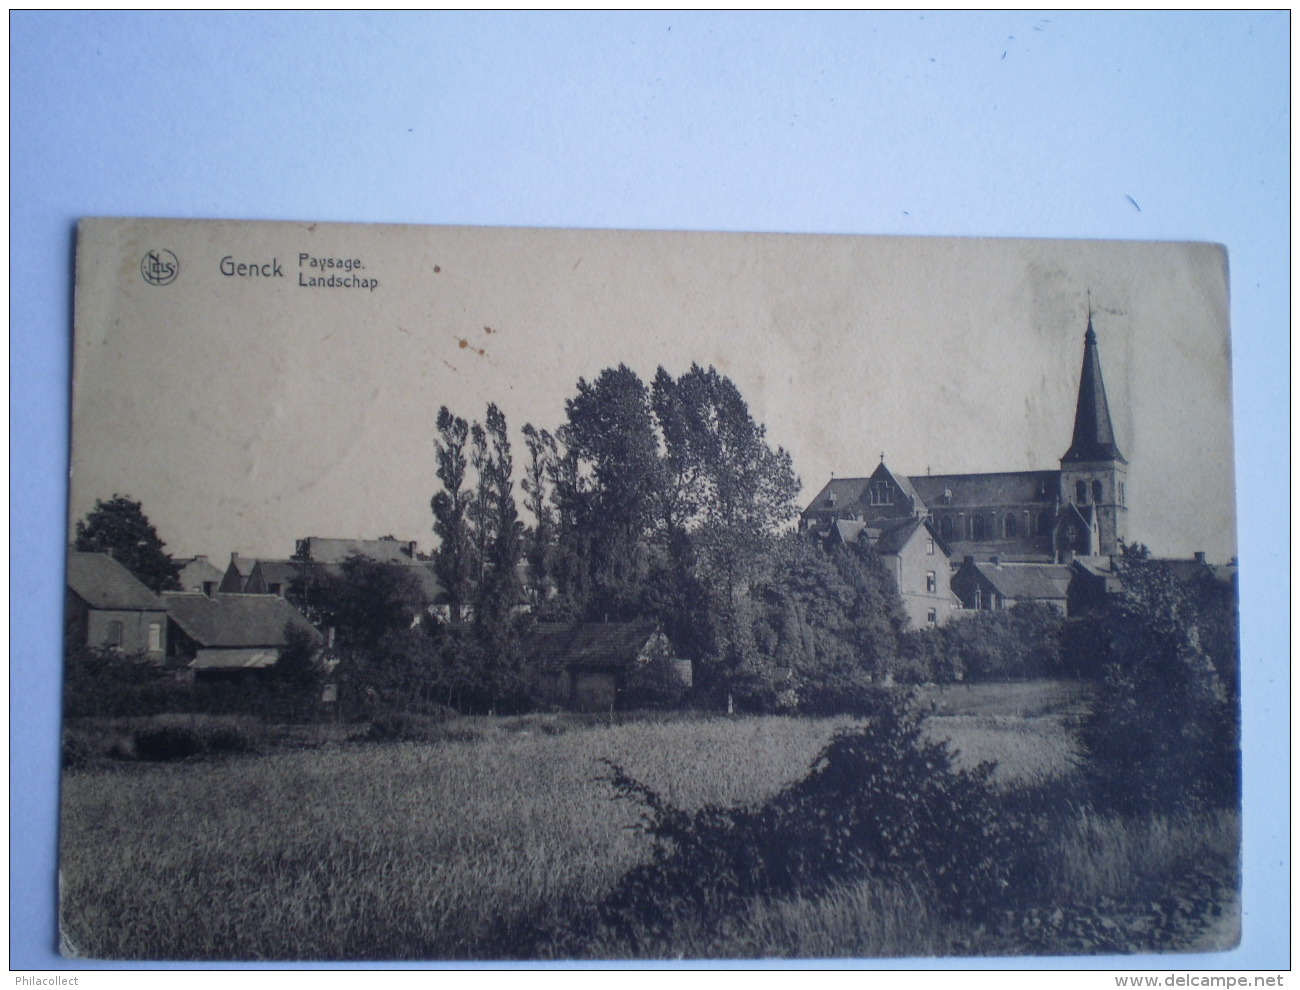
[[608, 489], [453, 560], [1163, 731], [745, 493], [120, 528], [538, 550]]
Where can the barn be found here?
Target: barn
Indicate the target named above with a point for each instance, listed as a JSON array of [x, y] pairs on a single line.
[[599, 666]]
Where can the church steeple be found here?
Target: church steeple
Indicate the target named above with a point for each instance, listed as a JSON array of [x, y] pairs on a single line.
[[1094, 438]]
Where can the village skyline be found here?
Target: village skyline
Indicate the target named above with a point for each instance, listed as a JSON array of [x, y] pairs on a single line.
[[246, 414]]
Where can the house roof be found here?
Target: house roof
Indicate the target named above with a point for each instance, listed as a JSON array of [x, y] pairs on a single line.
[[1027, 582], [101, 582], [895, 536], [231, 620], [555, 645], [242, 565], [331, 550], [277, 571], [195, 571], [991, 489]]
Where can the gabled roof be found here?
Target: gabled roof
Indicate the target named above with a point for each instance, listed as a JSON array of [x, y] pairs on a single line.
[[101, 582], [556, 645], [230, 620], [242, 565], [332, 550], [1094, 437], [847, 530], [195, 571], [280, 572], [1027, 582], [990, 489], [894, 536]]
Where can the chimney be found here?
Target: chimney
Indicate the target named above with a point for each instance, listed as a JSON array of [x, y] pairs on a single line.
[[234, 554], [1200, 556]]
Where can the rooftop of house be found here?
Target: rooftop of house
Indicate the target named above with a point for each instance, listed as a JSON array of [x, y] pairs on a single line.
[[235, 620], [101, 582], [1026, 581], [333, 550]]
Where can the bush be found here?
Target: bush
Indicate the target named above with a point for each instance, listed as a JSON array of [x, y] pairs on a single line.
[[879, 801], [168, 740], [1163, 731]]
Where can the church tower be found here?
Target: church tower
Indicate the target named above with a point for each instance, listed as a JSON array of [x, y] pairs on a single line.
[[1093, 471]]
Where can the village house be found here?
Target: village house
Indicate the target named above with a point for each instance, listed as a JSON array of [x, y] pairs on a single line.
[[108, 607], [230, 635], [992, 585]]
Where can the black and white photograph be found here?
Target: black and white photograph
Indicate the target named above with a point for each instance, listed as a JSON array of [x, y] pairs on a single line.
[[452, 593]]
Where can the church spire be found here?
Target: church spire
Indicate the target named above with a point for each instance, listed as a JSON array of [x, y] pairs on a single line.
[[1094, 438]]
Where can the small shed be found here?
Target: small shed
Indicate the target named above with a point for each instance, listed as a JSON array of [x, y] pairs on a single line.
[[596, 666]]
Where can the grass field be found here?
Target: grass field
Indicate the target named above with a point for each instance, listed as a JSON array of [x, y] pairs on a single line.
[[471, 846]]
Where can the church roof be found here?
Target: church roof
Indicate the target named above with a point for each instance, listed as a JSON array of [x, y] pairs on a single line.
[[983, 490], [1094, 437]]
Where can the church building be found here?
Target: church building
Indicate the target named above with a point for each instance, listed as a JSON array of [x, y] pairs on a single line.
[[1008, 517]]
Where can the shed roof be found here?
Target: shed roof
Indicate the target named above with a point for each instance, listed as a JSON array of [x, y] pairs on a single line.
[[235, 620], [555, 645], [101, 582]]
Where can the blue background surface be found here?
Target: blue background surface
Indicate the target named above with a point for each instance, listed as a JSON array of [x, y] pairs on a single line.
[[1164, 126]]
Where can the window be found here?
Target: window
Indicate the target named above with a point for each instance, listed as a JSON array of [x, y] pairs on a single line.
[[945, 527], [881, 493], [1044, 523], [977, 527], [1121, 493], [1081, 492], [113, 637], [932, 616], [209, 587], [1011, 526], [929, 546], [155, 637], [273, 589], [931, 582], [979, 598], [1096, 492]]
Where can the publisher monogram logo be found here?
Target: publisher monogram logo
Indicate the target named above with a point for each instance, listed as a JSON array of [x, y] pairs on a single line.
[[160, 267]]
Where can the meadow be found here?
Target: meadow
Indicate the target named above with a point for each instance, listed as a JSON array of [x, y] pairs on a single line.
[[492, 838]]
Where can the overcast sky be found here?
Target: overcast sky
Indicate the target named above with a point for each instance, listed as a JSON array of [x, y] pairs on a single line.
[[249, 410]]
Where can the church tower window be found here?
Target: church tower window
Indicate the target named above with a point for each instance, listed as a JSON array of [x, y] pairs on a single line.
[[1097, 492], [1121, 493]]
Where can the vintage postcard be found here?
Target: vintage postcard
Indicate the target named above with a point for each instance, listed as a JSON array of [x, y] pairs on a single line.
[[444, 593]]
